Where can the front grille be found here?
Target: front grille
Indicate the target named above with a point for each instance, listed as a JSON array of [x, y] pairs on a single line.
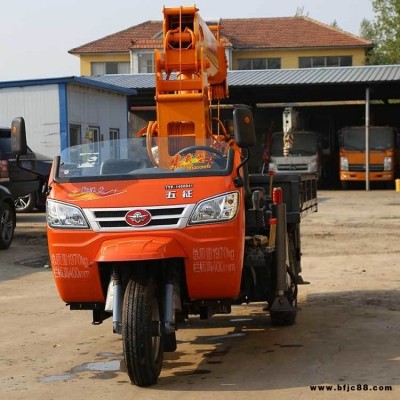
[[292, 167], [113, 219], [124, 224], [361, 167], [154, 212]]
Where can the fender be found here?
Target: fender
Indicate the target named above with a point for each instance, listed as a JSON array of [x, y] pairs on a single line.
[[139, 248]]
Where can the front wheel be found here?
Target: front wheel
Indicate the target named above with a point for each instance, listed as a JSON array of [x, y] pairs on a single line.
[[141, 331]]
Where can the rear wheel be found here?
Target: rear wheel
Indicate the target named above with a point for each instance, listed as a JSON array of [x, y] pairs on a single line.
[[7, 225], [141, 331]]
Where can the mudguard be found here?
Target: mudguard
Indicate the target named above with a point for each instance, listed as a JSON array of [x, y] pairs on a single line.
[[139, 248]]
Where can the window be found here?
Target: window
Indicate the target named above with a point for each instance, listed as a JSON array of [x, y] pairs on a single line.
[[101, 68], [91, 139], [259, 63], [325, 61], [74, 135], [146, 62], [114, 148]]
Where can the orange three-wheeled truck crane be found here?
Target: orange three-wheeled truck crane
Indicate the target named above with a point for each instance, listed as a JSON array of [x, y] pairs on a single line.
[[169, 222]]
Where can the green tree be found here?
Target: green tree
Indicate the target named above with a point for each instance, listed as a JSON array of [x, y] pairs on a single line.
[[335, 24], [384, 31], [300, 12]]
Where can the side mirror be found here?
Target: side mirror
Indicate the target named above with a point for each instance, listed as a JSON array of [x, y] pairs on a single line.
[[243, 124], [18, 136]]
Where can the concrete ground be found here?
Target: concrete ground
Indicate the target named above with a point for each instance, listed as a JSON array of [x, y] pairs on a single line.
[[344, 345]]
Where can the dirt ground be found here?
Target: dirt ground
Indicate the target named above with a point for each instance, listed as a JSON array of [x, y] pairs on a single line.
[[346, 339]]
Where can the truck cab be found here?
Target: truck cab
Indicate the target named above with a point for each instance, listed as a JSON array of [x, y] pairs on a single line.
[[303, 156], [383, 154]]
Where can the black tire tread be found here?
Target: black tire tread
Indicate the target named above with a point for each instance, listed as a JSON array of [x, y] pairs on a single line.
[[5, 243], [136, 333]]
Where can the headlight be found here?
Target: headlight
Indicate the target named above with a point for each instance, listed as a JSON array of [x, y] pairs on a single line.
[[387, 164], [60, 215], [216, 209], [344, 163]]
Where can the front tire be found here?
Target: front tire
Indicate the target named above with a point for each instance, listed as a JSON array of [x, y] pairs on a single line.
[[25, 204], [7, 226], [141, 331]]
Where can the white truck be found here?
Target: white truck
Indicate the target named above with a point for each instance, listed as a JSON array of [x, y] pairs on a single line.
[[300, 150]]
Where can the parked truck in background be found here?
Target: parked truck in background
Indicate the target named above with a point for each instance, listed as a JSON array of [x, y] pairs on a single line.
[[294, 149], [25, 186], [383, 155], [169, 223], [303, 156]]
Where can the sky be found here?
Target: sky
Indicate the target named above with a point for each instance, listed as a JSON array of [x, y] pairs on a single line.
[[37, 34]]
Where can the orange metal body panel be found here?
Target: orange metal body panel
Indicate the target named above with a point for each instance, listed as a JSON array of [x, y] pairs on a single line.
[[212, 253], [375, 157], [139, 248]]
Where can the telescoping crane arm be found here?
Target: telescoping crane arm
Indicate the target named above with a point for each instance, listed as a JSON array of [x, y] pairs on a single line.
[[194, 51], [289, 121], [190, 73]]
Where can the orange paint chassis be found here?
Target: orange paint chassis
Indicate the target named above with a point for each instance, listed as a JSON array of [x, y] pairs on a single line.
[[211, 254]]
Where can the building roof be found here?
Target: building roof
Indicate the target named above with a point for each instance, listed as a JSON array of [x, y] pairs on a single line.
[[120, 42], [286, 32], [97, 84], [285, 85], [273, 77], [240, 33]]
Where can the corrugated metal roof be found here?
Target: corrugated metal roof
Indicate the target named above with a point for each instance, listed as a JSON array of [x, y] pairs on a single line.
[[271, 77], [126, 84], [106, 84], [129, 81], [310, 76]]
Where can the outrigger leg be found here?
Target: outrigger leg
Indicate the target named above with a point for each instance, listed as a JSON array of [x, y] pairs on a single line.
[[283, 309]]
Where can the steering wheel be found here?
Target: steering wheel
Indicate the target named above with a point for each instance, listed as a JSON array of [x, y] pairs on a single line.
[[151, 128], [204, 148]]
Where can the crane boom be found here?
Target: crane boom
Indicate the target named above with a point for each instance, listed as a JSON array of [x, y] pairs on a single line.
[[190, 73]]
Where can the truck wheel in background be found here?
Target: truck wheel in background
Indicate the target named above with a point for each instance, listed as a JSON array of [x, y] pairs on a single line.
[[26, 203], [141, 336], [7, 224]]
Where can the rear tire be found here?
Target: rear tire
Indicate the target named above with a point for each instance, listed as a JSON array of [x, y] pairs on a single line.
[[141, 319], [7, 226]]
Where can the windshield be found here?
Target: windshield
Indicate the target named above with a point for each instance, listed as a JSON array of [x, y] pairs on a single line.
[[305, 144], [133, 157], [380, 138]]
